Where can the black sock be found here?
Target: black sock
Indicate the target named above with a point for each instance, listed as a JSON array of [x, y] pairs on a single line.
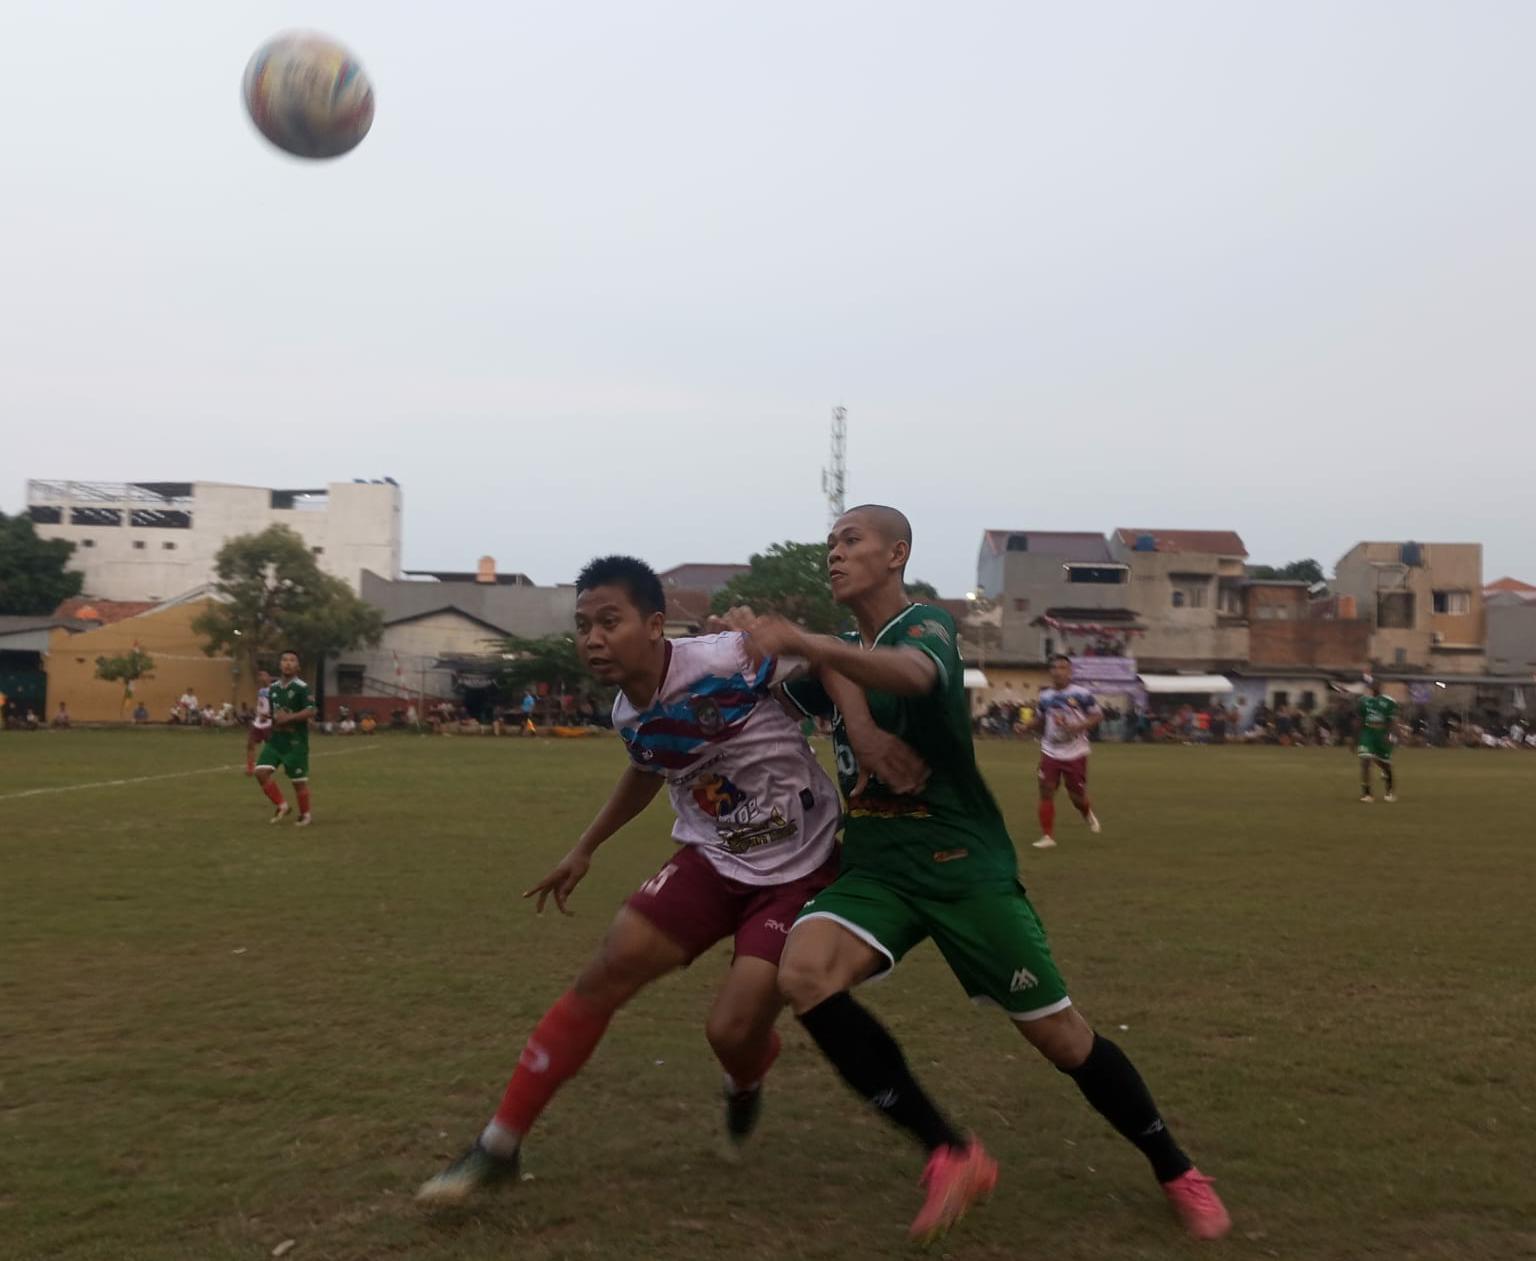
[[869, 1060], [1110, 1082], [1386, 775]]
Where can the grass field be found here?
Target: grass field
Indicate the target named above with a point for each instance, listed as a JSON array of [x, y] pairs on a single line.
[[216, 1036]]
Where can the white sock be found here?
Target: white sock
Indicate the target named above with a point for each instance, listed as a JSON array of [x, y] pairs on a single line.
[[497, 1139]]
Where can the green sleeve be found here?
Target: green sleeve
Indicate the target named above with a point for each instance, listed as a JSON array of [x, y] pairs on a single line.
[[932, 631]]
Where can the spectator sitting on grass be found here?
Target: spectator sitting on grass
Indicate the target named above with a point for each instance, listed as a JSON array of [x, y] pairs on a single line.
[[140, 714]]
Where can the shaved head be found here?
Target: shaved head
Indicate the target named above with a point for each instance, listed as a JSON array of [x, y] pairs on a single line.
[[892, 523]]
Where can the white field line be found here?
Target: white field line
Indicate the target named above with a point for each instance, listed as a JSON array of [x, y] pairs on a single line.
[[148, 779]]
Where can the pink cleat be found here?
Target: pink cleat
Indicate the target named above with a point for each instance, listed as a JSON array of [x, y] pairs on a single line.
[[956, 1178], [1198, 1206]]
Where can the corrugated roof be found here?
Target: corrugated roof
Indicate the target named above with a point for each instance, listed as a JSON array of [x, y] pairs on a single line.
[[1511, 584], [1081, 546], [1208, 542]]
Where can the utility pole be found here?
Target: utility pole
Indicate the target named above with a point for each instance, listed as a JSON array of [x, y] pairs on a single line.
[[834, 478]]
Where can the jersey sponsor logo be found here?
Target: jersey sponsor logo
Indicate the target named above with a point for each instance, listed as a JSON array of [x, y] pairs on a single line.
[[755, 835], [893, 809], [717, 797], [1023, 979], [950, 855], [707, 714], [923, 629]]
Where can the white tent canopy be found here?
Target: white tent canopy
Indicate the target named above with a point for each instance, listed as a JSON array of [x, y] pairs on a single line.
[[1186, 684], [975, 678]]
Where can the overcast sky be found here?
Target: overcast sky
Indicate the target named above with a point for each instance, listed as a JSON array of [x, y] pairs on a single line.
[[601, 270]]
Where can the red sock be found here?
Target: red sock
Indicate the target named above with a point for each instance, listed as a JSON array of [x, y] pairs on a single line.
[[274, 793], [560, 1044], [303, 793], [749, 1069], [1047, 816]]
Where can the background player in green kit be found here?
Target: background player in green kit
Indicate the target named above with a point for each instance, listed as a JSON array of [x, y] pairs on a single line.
[[288, 745], [1378, 715], [938, 864]]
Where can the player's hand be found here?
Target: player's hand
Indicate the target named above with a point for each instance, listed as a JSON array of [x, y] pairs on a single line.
[[775, 636], [561, 882], [893, 762], [740, 617]]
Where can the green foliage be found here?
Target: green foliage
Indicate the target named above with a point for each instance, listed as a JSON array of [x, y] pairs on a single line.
[[127, 669], [1297, 571], [272, 596], [33, 577], [920, 590], [550, 659], [789, 579]]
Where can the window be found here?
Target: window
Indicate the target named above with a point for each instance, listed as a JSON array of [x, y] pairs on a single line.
[[167, 547], [1400, 657], [349, 680], [317, 551], [138, 545], [45, 514], [95, 516], [1101, 575], [1229, 599], [1282, 698], [1453, 602], [1191, 592], [1308, 702], [1050, 647], [87, 542], [1394, 610]]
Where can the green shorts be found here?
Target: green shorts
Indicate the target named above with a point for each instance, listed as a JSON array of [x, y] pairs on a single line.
[[293, 760], [992, 940], [1374, 745]]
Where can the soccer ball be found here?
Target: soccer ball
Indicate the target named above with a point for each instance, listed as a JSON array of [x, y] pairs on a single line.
[[308, 95]]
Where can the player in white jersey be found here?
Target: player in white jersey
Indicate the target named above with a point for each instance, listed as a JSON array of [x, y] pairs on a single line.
[[261, 725], [1066, 714], [756, 827]]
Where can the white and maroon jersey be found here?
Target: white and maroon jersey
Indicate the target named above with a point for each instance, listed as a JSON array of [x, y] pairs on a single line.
[[1058, 706], [263, 719], [745, 786]]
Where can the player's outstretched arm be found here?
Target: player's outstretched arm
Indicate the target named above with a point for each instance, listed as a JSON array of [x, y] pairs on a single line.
[[879, 754], [635, 790], [899, 671]]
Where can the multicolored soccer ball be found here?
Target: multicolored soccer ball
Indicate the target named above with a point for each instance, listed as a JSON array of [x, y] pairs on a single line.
[[308, 95]]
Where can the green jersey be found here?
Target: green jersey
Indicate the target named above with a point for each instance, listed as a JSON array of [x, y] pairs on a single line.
[[950, 840], [1376, 714], [289, 696]]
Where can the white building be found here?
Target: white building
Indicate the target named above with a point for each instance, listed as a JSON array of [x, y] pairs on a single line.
[[155, 540]]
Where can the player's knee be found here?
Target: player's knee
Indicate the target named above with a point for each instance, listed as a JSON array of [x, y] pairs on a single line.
[[805, 981], [731, 1031], [612, 979], [1064, 1038]]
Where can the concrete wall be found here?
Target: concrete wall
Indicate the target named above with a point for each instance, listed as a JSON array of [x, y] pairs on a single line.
[[1369, 570], [1511, 634], [417, 645], [168, 637], [358, 528], [1032, 583], [1188, 636]]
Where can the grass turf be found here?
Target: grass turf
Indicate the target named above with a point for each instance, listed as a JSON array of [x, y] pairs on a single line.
[[219, 1035]]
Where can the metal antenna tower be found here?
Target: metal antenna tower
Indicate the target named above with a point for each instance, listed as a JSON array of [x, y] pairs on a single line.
[[834, 478]]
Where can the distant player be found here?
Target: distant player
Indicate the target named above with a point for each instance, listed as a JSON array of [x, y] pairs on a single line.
[[261, 724], [1378, 718], [288, 745], [937, 864], [756, 824], [1068, 712]]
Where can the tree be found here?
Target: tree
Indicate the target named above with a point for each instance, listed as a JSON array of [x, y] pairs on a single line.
[[550, 659], [33, 577], [920, 590], [790, 579], [271, 595], [1297, 571], [127, 669]]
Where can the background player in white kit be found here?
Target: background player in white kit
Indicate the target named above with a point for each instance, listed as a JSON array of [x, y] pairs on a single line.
[[756, 827], [1067, 713], [260, 729]]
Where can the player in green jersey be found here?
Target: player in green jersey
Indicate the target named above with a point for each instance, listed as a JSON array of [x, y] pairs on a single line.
[[288, 745], [938, 864], [1378, 718]]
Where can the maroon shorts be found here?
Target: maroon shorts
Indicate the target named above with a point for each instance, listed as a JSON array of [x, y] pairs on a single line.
[[1074, 773], [696, 906]]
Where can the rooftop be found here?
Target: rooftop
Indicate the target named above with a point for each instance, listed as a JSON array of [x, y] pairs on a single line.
[[1205, 542], [1081, 546]]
